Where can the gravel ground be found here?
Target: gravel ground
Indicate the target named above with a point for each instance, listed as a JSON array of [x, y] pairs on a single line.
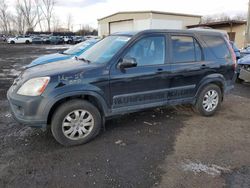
[[163, 147]]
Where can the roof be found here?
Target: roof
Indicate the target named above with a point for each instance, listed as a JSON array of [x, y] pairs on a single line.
[[180, 31], [219, 23], [152, 12]]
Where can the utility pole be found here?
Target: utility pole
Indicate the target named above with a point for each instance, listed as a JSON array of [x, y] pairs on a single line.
[[247, 33]]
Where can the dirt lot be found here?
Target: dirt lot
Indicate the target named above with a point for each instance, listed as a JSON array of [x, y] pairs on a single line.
[[169, 147]]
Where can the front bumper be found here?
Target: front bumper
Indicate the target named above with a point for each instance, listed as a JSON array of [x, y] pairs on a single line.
[[27, 110]]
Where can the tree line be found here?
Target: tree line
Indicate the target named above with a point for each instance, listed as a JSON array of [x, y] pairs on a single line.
[[29, 15]]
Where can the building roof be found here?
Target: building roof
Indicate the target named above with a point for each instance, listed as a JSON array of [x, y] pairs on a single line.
[[219, 23], [152, 12]]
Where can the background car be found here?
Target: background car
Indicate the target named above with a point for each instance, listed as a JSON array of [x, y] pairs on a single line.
[[75, 50], [245, 51], [3, 38], [236, 50], [68, 39], [244, 69], [46, 39], [37, 40], [20, 40], [78, 39], [56, 40]]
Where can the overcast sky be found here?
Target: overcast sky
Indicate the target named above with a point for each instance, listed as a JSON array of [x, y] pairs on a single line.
[[88, 11]]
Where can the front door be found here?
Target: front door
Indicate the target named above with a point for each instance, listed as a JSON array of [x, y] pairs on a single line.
[[146, 84]]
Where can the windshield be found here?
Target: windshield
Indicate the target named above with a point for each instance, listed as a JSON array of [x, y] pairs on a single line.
[[104, 50], [79, 47]]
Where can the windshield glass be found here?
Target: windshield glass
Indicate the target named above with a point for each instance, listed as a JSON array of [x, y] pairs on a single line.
[[79, 47], [104, 50]]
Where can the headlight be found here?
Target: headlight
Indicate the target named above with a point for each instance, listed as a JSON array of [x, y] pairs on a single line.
[[34, 86]]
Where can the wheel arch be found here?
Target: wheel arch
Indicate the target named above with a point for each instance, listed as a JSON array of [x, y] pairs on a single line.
[[216, 79], [90, 96]]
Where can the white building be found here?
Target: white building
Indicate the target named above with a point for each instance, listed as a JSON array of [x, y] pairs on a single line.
[[141, 20]]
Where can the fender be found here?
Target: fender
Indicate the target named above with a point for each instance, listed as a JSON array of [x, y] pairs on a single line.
[[71, 93], [211, 78]]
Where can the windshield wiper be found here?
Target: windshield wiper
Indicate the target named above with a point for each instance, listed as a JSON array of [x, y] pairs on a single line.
[[82, 59]]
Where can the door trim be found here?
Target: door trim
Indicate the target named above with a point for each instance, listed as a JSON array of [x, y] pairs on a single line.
[[148, 97]]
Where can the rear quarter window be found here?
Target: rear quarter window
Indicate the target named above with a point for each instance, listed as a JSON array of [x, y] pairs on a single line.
[[218, 45]]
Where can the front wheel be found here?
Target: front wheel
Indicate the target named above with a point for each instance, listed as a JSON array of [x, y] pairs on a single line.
[[209, 100], [75, 122]]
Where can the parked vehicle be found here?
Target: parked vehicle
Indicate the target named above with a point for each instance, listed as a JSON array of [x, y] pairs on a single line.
[[56, 40], [3, 38], [20, 40], [37, 40], [78, 39], [245, 51], [124, 73], [75, 50], [68, 39], [46, 39], [244, 69], [90, 37], [236, 50]]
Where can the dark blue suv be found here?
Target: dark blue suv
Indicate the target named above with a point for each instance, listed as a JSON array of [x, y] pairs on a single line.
[[123, 73]]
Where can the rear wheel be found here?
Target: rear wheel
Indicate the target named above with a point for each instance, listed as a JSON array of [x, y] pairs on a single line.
[[75, 122], [209, 100], [27, 42]]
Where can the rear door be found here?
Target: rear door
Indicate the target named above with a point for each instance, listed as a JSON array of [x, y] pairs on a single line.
[[146, 84], [187, 66]]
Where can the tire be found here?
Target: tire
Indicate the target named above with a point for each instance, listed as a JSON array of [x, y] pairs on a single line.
[[12, 42], [27, 42], [202, 101], [68, 111]]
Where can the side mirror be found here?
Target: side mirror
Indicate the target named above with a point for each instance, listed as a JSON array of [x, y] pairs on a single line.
[[127, 63]]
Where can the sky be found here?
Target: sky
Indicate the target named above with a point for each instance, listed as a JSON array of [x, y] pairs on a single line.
[[88, 11]]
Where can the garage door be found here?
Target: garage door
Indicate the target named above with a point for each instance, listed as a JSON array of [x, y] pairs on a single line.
[[121, 26]]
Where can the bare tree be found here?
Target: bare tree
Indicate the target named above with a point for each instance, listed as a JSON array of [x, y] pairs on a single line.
[[19, 20], [29, 11], [4, 16], [69, 21], [40, 17], [215, 18], [47, 7], [56, 23], [240, 16]]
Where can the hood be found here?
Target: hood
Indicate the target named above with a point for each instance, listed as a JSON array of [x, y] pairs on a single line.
[[69, 66], [245, 60], [48, 59]]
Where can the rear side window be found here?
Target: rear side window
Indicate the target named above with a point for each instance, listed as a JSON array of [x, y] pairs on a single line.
[[185, 49], [218, 45]]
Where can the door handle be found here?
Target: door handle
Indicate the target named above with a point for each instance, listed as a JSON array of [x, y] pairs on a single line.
[[203, 66], [159, 70]]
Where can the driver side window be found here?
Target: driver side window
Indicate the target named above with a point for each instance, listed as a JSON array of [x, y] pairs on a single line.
[[148, 51]]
